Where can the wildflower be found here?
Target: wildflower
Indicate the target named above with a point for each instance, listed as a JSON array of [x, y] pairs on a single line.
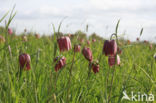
[[95, 68], [37, 36], [146, 42], [87, 53], [25, 30], [93, 40], [61, 63], [113, 59], [128, 41], [24, 38], [137, 39], [64, 43], [10, 31], [77, 48], [110, 47], [150, 46], [24, 61]]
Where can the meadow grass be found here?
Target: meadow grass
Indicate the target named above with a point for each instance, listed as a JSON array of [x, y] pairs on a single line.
[[41, 84], [137, 72]]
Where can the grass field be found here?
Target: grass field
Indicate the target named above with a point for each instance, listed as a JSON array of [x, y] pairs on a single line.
[[74, 83]]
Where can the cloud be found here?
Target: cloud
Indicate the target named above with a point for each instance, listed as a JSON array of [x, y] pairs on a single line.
[[122, 4], [99, 14]]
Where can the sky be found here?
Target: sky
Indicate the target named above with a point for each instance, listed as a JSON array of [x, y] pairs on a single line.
[[101, 16]]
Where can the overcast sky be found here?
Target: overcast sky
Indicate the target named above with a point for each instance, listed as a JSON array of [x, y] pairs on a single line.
[[100, 15]]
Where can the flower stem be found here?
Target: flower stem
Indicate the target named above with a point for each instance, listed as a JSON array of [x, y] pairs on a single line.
[[111, 85], [70, 74]]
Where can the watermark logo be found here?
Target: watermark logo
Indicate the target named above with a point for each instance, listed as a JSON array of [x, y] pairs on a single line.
[[138, 96]]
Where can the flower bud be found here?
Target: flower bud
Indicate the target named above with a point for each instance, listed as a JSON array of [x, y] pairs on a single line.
[[93, 40], [137, 39], [24, 61], [113, 59], [129, 42], [95, 68], [10, 31], [64, 44], [146, 42], [87, 53], [61, 63], [37, 36], [150, 46]]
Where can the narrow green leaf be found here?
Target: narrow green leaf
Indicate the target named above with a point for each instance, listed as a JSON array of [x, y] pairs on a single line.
[[4, 17], [87, 26], [141, 31], [61, 24], [117, 26]]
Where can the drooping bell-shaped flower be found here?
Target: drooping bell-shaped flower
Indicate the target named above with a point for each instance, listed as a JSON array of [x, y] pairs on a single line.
[[64, 44], [87, 53], [95, 68], [77, 48], [112, 60], [10, 31], [60, 63], [110, 47], [129, 42], [24, 61], [93, 40], [151, 46], [37, 36], [146, 42], [137, 39]]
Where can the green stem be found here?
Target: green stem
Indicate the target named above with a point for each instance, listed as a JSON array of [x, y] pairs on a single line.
[[70, 74], [111, 85]]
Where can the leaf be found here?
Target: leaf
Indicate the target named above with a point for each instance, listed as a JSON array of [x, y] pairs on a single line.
[[4, 16], [12, 15], [55, 41], [61, 24], [117, 26], [141, 31], [87, 27]]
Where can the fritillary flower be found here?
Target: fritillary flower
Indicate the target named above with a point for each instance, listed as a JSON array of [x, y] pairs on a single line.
[[10, 31], [87, 53], [61, 63], [77, 48], [64, 44], [112, 60], [95, 68], [24, 61], [110, 47]]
